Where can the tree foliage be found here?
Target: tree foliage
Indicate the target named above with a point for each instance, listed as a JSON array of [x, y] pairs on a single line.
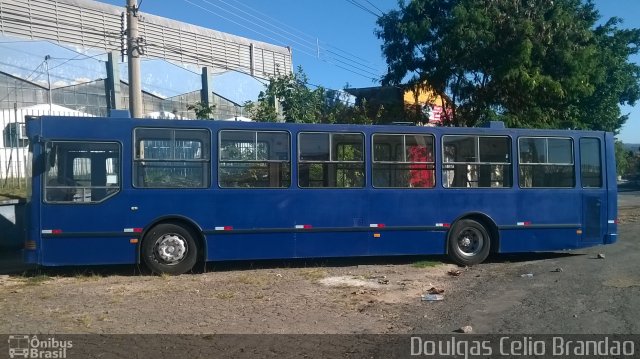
[[622, 158], [300, 104], [530, 63], [202, 110]]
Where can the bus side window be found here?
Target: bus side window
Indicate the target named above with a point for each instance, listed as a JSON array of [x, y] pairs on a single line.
[[546, 162], [81, 171]]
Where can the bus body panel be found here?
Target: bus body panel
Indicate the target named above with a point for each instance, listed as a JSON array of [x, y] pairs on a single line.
[[294, 222], [537, 240], [90, 250], [407, 242], [221, 246]]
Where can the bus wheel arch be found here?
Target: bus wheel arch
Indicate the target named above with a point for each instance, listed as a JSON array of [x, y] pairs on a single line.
[[471, 238], [172, 246]]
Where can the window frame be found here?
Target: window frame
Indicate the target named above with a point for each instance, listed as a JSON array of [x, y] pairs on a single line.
[[46, 169], [572, 164], [478, 159], [600, 166], [219, 157], [405, 157], [134, 158], [299, 161]]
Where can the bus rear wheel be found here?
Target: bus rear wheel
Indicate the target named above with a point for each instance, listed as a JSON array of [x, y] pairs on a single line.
[[469, 242], [169, 248]]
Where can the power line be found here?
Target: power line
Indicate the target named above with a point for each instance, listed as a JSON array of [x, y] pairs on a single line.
[[363, 8], [312, 38], [171, 63], [358, 71], [248, 28], [312, 45], [179, 52], [314, 41], [375, 7], [27, 79], [75, 58]]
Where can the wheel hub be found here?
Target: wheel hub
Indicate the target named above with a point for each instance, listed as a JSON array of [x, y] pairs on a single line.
[[171, 248], [470, 242]]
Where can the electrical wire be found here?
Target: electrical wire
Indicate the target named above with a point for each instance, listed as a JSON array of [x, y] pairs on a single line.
[[311, 37], [75, 58], [312, 45], [375, 7], [27, 79], [363, 8], [353, 68]]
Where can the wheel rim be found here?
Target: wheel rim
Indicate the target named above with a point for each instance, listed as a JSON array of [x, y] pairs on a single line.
[[171, 248], [470, 242]]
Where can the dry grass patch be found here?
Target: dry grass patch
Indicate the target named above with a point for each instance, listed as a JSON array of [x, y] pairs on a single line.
[[253, 279], [36, 280], [225, 295], [425, 264], [313, 274]]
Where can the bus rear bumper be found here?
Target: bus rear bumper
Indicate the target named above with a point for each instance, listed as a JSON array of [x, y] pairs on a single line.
[[610, 238]]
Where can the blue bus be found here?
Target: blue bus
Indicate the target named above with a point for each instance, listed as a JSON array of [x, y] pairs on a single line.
[[171, 193]]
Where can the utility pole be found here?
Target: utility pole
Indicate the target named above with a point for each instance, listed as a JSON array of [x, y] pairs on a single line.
[[134, 50], [46, 64]]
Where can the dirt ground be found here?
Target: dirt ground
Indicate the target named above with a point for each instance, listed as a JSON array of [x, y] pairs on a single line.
[[345, 299], [348, 296]]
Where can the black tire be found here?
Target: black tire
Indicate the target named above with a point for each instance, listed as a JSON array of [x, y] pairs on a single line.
[[468, 243], [169, 249]]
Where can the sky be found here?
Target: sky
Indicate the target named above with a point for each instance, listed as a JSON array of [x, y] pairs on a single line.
[[333, 40], [341, 33]]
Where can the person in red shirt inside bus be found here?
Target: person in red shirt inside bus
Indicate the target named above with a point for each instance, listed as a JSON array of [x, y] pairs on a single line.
[[421, 169]]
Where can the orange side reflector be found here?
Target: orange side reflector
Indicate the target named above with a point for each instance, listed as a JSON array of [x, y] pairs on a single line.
[[31, 245], [579, 231], [376, 235], [133, 240]]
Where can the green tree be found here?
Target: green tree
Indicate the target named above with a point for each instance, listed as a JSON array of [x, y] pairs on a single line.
[[300, 104], [535, 63], [622, 158], [202, 110]]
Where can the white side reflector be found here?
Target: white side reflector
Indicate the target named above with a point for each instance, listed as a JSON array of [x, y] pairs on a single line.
[[524, 223], [446, 225], [376, 225], [51, 231], [611, 221], [303, 226], [225, 228], [133, 230]]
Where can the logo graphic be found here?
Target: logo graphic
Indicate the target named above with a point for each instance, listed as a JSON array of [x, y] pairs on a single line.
[[18, 346], [31, 347]]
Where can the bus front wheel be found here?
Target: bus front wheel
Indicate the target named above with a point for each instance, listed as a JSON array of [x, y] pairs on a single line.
[[169, 249], [469, 242]]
